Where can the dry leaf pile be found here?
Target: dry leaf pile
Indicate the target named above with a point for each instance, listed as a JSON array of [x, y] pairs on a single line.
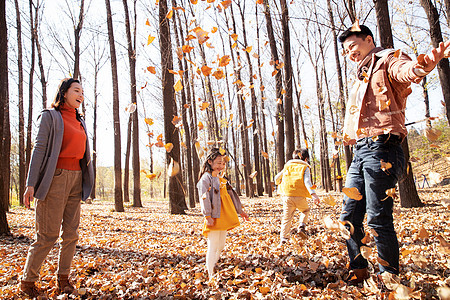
[[147, 253]]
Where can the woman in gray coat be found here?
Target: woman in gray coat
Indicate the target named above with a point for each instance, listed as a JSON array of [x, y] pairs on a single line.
[[60, 176]]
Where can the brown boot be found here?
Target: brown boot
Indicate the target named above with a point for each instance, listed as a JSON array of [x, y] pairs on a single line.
[[356, 276], [30, 289], [64, 285]]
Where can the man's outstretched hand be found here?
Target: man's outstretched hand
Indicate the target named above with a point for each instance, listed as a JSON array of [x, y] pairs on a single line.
[[429, 61]]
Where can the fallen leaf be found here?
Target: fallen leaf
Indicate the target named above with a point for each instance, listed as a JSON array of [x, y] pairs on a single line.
[[352, 193]]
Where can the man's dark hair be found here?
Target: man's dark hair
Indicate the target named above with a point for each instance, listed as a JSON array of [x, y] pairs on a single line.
[[363, 33]]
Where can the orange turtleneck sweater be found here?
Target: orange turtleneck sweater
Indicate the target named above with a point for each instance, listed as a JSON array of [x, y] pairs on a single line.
[[74, 141]]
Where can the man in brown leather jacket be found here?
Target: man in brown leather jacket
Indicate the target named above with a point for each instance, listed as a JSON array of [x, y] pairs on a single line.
[[375, 125]]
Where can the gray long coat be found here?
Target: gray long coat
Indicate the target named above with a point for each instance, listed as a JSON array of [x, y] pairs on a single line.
[[46, 152]]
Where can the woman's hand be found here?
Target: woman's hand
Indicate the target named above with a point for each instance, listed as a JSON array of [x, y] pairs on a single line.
[[28, 196], [244, 216], [209, 221]]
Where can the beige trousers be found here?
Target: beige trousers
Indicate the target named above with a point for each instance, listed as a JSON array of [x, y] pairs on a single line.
[[58, 213], [290, 204]]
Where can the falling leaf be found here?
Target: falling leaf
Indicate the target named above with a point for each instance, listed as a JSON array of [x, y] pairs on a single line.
[[199, 149], [178, 86], [382, 262], [434, 178], [214, 29], [151, 70], [169, 14], [204, 105], [218, 74], [131, 108], [274, 73], [383, 104], [365, 251], [385, 165], [174, 168], [234, 36], [150, 39], [249, 49], [176, 120], [206, 70], [355, 26], [169, 147], [200, 126], [149, 121], [352, 193], [151, 176], [382, 89], [328, 199], [187, 48], [147, 23], [225, 4], [432, 134], [265, 154], [390, 193]]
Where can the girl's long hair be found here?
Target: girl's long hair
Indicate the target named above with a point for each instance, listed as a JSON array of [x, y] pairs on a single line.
[[63, 87], [206, 167]]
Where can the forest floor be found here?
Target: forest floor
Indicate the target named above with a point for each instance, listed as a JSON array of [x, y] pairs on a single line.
[[148, 253]]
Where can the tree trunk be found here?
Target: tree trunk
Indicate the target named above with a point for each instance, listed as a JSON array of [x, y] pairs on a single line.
[[447, 11], [40, 60], [94, 132], [22, 167], [347, 152], [288, 102], [30, 92], [77, 34], [185, 108], [263, 130], [176, 193], [245, 145], [118, 198], [256, 134], [279, 118], [134, 115], [443, 66], [126, 171], [4, 116], [406, 186]]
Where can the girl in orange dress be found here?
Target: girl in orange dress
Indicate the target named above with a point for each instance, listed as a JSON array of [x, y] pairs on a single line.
[[220, 205]]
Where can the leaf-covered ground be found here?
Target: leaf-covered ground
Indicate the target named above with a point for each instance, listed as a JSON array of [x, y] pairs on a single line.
[[147, 253]]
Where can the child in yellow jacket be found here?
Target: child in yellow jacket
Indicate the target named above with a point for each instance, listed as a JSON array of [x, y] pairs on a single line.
[[294, 184]]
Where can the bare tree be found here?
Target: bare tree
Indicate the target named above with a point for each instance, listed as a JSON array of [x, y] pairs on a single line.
[[288, 76], [176, 194], [77, 33], [4, 120], [22, 167], [39, 53], [407, 186], [131, 41], [118, 198], [279, 118], [30, 90], [443, 66]]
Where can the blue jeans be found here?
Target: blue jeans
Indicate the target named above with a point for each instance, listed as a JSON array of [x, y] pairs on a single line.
[[366, 175]]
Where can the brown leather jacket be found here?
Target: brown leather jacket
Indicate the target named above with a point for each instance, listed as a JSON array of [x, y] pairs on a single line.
[[387, 84]]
